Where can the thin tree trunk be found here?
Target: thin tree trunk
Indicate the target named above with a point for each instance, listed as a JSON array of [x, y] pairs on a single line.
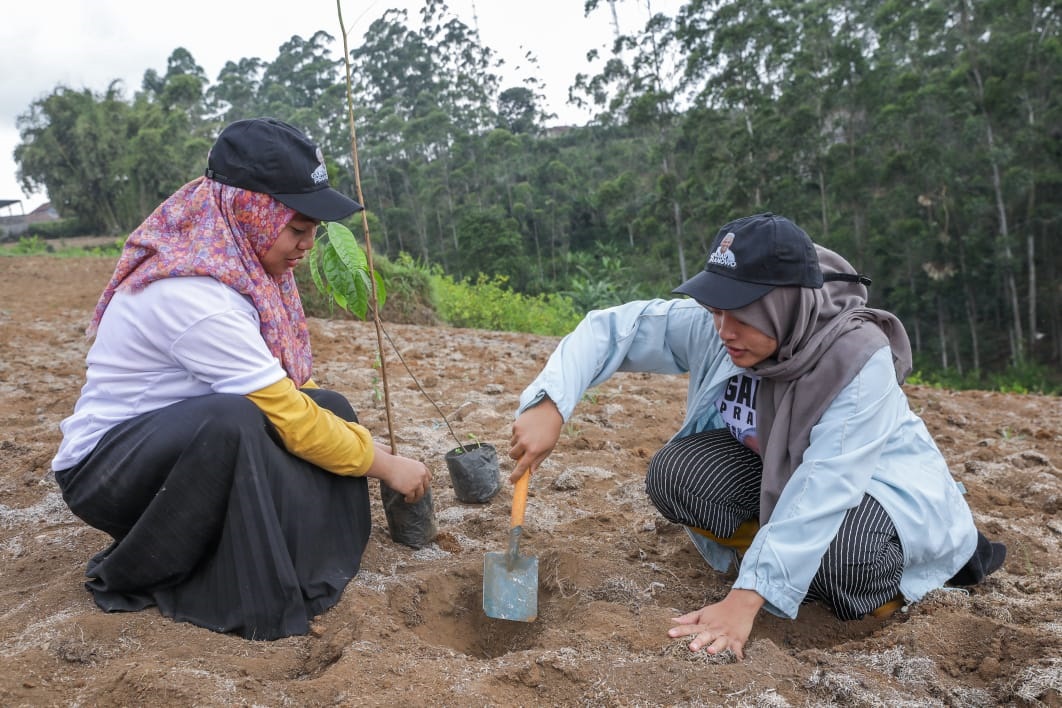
[[971, 302], [1030, 256], [971, 319], [676, 212], [823, 209], [536, 235], [942, 333], [450, 204], [914, 296], [859, 217], [390, 189], [1017, 336], [418, 217], [1054, 308], [758, 193]]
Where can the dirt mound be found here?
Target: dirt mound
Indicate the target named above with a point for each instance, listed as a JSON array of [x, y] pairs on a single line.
[[409, 629]]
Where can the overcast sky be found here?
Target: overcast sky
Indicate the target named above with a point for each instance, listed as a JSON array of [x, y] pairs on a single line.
[[89, 43]]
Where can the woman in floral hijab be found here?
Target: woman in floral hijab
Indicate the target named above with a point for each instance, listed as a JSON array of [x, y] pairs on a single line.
[[233, 487]]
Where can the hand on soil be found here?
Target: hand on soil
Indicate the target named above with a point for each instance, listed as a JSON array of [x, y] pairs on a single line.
[[721, 626]]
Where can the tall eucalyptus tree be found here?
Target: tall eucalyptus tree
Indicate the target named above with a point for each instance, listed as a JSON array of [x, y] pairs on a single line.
[[637, 88], [303, 85], [235, 94]]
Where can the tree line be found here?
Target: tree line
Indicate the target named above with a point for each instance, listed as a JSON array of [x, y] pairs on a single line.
[[923, 141]]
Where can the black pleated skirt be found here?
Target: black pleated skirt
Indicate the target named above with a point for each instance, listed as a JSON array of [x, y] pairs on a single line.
[[215, 522]]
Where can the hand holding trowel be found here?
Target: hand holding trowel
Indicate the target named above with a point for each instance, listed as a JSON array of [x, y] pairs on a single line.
[[510, 581]]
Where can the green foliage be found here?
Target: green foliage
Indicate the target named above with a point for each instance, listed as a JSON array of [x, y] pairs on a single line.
[[408, 290], [73, 142], [475, 443], [600, 278], [340, 270], [34, 246], [30, 246], [108, 162], [489, 241], [111, 250], [61, 228], [1027, 378], [316, 303], [921, 141], [488, 303], [419, 293], [572, 430]]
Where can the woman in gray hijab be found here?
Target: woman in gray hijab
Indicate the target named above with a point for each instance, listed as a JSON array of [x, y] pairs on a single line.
[[799, 457]]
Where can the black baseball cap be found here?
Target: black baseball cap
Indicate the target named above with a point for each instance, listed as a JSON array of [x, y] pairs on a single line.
[[270, 156], [749, 258]]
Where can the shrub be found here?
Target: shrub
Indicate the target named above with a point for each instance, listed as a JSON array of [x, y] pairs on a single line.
[[35, 246], [30, 246], [488, 303], [110, 250], [61, 228], [1027, 378], [421, 294], [408, 293]]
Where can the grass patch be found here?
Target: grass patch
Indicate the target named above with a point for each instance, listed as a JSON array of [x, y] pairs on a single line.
[[65, 248]]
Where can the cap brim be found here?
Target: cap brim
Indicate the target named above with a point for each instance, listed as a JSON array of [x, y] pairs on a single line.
[[723, 293], [323, 205]]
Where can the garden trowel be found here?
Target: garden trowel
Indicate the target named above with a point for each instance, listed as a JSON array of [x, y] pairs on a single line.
[[510, 581]]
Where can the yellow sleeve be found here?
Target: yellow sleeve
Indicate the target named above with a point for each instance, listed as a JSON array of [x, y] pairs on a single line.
[[313, 433], [310, 383]]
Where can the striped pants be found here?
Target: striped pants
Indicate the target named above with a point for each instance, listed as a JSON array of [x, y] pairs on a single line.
[[711, 481]]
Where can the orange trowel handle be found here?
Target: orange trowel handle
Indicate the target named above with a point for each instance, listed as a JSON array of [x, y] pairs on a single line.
[[520, 498]]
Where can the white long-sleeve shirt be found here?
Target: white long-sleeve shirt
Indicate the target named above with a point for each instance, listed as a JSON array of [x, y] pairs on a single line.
[[177, 338]]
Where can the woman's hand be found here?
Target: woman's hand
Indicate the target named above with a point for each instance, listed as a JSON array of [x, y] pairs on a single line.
[[724, 625], [535, 434], [410, 478]]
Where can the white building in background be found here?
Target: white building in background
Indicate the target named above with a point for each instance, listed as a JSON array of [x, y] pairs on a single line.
[[13, 225]]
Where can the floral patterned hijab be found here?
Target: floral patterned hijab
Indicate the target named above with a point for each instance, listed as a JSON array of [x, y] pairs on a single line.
[[209, 228]]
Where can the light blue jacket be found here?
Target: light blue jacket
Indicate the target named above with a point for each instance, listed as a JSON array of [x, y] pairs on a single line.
[[867, 442]]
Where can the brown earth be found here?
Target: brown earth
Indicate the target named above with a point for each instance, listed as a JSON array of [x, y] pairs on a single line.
[[409, 630]]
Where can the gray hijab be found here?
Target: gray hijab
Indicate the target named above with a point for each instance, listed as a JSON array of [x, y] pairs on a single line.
[[825, 336]]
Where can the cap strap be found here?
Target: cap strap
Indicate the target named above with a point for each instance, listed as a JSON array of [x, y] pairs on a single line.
[[847, 277]]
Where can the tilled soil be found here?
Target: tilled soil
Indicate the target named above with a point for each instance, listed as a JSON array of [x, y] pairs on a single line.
[[409, 630]]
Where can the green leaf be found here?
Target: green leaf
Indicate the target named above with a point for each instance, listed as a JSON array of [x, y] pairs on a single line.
[[381, 291], [346, 270], [315, 271], [362, 295], [340, 281], [347, 247]]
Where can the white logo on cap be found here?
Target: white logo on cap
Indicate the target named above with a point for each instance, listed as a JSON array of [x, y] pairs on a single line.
[[722, 255], [321, 173]]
